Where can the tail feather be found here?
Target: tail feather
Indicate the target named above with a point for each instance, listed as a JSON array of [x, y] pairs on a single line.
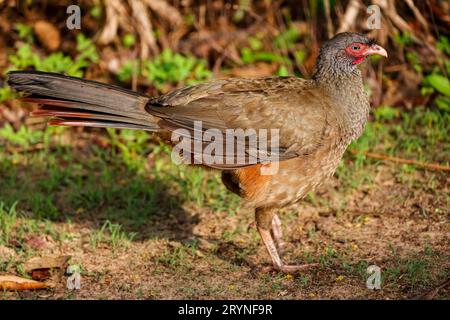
[[78, 102], [98, 124], [46, 111]]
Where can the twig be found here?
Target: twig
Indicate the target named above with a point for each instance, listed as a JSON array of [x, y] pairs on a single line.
[[166, 11], [351, 12], [417, 14], [431, 166], [432, 293], [144, 27], [330, 30], [112, 23], [116, 17]]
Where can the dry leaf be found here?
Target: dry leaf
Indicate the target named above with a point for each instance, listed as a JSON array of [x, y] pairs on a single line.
[[47, 34], [40, 274], [11, 282], [34, 242], [45, 262]]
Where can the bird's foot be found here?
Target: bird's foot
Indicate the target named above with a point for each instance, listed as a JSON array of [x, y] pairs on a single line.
[[296, 267], [290, 268], [281, 246], [277, 234]]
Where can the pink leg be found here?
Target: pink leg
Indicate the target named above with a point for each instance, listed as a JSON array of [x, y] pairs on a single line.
[[264, 224]]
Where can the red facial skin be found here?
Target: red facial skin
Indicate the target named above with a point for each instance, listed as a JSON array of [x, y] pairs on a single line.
[[359, 51]]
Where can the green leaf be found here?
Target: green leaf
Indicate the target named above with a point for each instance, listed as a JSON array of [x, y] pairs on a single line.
[[443, 103], [96, 12], [386, 113], [129, 40], [255, 43], [440, 83], [287, 38], [283, 71], [25, 32]]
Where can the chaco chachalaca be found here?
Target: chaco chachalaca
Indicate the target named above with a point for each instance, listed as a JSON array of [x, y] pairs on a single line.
[[316, 119]]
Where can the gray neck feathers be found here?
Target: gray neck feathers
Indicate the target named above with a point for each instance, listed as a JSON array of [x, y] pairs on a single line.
[[343, 83]]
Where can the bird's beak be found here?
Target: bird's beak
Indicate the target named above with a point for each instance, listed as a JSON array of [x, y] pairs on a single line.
[[376, 50]]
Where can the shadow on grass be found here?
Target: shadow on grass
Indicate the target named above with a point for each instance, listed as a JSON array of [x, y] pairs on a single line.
[[91, 189]]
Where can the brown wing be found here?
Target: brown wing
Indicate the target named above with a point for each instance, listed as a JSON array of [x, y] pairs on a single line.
[[292, 105]]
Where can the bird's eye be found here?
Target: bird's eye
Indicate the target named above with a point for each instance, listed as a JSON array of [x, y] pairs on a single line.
[[355, 48]]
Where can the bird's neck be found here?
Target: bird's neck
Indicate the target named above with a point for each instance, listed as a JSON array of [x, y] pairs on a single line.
[[352, 103]]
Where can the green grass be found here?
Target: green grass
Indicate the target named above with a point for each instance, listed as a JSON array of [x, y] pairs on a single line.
[[178, 258], [50, 180], [112, 235], [422, 134], [8, 219], [413, 270]]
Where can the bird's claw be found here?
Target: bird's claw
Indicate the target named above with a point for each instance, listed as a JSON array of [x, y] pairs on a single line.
[[289, 268], [296, 267]]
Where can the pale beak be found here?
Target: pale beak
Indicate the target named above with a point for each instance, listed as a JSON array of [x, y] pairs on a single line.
[[376, 50]]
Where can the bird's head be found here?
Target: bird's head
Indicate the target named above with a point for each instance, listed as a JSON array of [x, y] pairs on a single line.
[[342, 53]]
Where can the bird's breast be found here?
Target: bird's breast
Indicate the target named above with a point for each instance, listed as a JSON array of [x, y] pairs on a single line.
[[293, 180]]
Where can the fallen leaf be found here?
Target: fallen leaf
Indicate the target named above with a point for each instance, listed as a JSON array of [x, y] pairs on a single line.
[[11, 282], [40, 274], [46, 262], [34, 242], [47, 34]]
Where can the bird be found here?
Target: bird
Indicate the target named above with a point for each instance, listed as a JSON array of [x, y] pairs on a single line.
[[316, 119]]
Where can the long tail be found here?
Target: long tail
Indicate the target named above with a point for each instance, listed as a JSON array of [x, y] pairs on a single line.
[[77, 102]]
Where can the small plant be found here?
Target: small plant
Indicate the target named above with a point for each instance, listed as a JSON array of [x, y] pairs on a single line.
[[176, 257], [287, 39], [6, 94], [167, 68], [250, 56], [255, 53], [128, 69], [440, 84], [129, 40], [175, 68], [8, 218], [437, 82], [23, 137], [25, 32], [112, 234], [56, 62]]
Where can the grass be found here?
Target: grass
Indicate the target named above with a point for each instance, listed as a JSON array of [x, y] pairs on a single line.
[[79, 181], [423, 135], [112, 235]]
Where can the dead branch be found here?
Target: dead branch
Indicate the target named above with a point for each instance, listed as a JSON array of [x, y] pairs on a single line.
[[109, 32], [431, 166], [417, 14], [350, 15], [143, 26], [330, 30], [165, 11]]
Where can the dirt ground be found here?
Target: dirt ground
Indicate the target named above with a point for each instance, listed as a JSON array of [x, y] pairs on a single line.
[[200, 254]]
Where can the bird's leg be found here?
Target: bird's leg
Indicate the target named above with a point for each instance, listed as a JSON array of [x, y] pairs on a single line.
[[277, 233], [264, 218]]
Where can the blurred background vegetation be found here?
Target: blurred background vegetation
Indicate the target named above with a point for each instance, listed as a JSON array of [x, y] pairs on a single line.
[[115, 181]]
